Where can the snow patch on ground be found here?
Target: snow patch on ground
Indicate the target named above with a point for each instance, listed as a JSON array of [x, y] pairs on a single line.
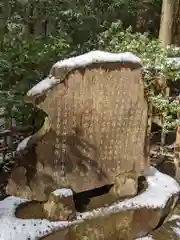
[[22, 145], [12, 228], [176, 230], [174, 60], [174, 217], [67, 65]]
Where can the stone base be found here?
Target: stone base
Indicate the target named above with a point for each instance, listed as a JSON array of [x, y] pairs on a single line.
[[115, 226], [124, 220]]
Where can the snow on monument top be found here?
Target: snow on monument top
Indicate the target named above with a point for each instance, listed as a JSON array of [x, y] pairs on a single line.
[[96, 57], [67, 65]]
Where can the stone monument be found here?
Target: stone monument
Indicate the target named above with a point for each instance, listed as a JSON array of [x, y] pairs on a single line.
[[92, 150]]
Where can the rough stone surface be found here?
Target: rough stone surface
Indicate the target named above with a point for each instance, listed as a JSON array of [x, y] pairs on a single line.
[[115, 226], [145, 220], [60, 235], [97, 133], [60, 205], [170, 230], [126, 219]]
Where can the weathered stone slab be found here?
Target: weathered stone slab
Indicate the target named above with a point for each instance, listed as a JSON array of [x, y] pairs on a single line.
[[105, 127], [96, 129]]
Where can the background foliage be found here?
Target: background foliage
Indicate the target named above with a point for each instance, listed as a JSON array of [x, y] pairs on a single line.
[[36, 33]]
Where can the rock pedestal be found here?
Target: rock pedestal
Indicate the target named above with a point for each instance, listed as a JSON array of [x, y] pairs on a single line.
[[125, 220], [115, 226]]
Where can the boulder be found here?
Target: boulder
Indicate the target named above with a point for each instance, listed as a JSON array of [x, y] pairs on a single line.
[[170, 230], [95, 132], [60, 205]]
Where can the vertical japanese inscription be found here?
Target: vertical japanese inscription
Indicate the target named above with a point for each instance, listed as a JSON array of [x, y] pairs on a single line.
[[60, 142]]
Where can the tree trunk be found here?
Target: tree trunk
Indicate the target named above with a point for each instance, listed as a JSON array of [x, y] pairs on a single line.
[[177, 154], [176, 24], [165, 33]]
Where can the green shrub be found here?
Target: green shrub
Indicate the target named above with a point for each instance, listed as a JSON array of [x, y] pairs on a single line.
[[155, 62]]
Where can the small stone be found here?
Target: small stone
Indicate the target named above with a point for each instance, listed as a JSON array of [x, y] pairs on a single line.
[[60, 205]]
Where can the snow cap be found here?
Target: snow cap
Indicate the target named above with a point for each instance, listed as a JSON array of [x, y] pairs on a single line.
[[65, 66]]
